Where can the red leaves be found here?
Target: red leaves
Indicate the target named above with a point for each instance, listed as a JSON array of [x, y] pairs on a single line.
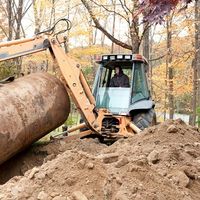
[[155, 10], [172, 2]]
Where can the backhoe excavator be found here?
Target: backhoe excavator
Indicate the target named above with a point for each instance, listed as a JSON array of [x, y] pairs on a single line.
[[108, 112]]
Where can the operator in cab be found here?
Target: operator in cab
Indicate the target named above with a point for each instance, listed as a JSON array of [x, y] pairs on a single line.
[[119, 79]]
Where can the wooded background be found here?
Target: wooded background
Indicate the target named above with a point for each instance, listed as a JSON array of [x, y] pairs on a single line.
[[113, 26]]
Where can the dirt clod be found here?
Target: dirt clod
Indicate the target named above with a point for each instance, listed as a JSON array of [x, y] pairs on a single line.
[[42, 195], [179, 178], [79, 196], [33, 172], [60, 198], [172, 129], [122, 162], [109, 158], [153, 157], [90, 165]]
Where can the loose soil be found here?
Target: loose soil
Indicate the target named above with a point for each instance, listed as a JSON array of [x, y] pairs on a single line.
[[163, 162]]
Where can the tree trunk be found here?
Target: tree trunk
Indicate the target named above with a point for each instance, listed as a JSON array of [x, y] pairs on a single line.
[[10, 19], [113, 26], [37, 10], [103, 35], [146, 44], [53, 14], [66, 44], [170, 69], [134, 31], [151, 63], [19, 18], [192, 120], [196, 67], [134, 38]]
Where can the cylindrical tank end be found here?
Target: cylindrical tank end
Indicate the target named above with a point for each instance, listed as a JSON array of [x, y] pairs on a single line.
[[30, 107]]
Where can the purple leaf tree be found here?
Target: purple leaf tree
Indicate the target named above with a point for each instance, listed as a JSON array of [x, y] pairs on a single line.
[[155, 10]]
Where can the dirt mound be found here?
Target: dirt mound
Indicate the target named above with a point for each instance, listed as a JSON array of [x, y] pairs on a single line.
[[41, 152], [161, 163]]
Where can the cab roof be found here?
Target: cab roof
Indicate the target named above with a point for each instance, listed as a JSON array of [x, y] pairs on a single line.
[[121, 57]]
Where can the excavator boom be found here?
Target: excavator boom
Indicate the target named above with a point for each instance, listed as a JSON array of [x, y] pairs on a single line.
[[22, 47], [72, 76]]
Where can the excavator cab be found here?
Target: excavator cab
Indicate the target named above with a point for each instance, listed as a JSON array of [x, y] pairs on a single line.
[[132, 100]]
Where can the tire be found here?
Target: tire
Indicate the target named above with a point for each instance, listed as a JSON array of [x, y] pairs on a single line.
[[145, 119]]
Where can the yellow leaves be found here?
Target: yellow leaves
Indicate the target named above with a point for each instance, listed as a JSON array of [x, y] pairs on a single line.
[[41, 4], [85, 54], [182, 71], [79, 32], [88, 51]]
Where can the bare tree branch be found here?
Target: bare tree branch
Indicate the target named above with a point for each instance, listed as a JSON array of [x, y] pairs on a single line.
[[26, 9], [125, 5], [158, 58], [4, 9], [4, 31], [111, 11], [124, 8], [98, 25]]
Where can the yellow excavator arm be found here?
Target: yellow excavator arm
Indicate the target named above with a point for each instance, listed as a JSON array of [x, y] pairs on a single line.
[[73, 78]]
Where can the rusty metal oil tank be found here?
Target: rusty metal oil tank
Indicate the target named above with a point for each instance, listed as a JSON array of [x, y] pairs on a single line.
[[30, 107]]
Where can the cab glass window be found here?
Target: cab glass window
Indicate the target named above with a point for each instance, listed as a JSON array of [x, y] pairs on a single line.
[[140, 89]]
